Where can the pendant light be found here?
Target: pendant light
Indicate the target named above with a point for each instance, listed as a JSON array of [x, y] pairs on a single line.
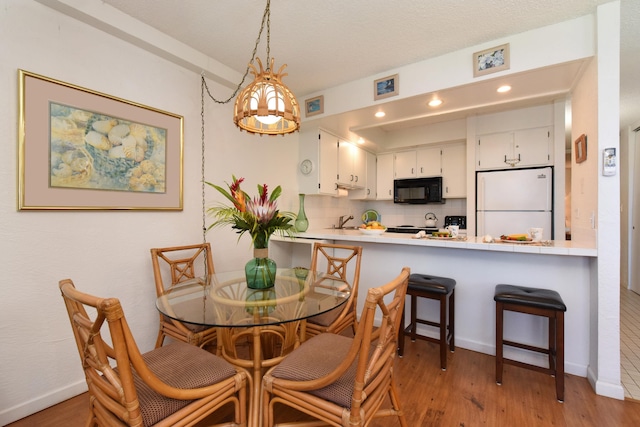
[[266, 106]]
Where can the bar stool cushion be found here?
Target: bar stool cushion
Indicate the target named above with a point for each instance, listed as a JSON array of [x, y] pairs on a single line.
[[531, 297], [433, 284]]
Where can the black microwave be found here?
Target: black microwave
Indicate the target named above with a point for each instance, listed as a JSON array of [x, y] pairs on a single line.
[[418, 191]]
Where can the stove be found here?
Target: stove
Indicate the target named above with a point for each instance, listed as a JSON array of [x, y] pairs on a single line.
[[411, 229]]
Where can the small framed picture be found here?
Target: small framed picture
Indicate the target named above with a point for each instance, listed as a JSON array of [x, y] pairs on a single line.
[[581, 148], [314, 106], [491, 60], [386, 87]]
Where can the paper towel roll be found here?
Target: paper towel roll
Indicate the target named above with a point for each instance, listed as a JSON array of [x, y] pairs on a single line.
[[341, 192]]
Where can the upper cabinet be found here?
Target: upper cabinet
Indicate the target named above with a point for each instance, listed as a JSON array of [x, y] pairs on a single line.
[[351, 165], [384, 177], [417, 163], [368, 192], [454, 171], [517, 149], [318, 163]]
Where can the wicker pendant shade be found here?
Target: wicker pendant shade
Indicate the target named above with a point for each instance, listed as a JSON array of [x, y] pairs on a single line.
[[267, 106]]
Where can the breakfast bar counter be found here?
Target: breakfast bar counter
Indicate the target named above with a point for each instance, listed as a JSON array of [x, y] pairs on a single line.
[[477, 267]]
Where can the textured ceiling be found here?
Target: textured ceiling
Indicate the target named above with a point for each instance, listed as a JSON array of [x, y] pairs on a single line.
[[330, 42]]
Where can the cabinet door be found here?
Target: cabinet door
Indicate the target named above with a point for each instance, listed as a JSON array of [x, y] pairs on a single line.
[[319, 150], [351, 166], [359, 166], [428, 162], [405, 164], [494, 150], [533, 146], [371, 174], [384, 177], [454, 171], [328, 163]]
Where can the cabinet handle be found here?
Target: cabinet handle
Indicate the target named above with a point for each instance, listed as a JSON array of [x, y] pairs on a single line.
[[356, 178], [412, 171], [421, 169], [389, 192], [368, 192], [351, 177]]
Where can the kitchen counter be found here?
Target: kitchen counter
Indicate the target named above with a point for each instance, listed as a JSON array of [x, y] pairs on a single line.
[[560, 247], [477, 267]]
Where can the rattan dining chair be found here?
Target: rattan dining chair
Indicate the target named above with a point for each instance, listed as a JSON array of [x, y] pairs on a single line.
[[172, 266], [341, 262], [340, 380], [175, 385]]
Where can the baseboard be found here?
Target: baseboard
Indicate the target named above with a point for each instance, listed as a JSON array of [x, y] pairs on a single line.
[[37, 404]]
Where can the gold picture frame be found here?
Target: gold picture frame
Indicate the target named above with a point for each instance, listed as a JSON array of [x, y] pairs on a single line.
[[80, 149], [581, 148], [314, 106], [386, 87], [491, 60]]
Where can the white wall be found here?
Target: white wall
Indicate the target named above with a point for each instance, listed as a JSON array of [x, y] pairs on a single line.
[[105, 252]]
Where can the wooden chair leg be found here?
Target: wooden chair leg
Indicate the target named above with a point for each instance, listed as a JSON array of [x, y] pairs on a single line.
[[499, 332]]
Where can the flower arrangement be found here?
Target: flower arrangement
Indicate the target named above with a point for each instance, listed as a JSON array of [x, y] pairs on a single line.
[[259, 216]]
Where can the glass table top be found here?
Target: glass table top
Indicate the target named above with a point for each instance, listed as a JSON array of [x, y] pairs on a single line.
[[223, 299]]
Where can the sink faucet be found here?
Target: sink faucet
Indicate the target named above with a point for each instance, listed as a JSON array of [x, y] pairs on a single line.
[[342, 221]]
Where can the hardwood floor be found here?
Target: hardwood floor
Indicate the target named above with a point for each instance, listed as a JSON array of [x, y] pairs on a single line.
[[464, 395]]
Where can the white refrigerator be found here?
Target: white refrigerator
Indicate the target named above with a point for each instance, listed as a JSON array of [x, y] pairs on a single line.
[[512, 201]]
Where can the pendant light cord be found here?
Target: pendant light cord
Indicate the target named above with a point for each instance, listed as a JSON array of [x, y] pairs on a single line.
[[266, 17]]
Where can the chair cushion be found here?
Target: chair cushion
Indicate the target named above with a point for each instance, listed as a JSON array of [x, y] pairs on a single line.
[[326, 319], [531, 297], [433, 284], [179, 365], [316, 358]]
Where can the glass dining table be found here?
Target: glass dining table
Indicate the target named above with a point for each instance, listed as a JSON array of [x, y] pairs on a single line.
[[271, 322]]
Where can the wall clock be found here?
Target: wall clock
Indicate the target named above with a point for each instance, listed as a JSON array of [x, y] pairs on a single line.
[[306, 166]]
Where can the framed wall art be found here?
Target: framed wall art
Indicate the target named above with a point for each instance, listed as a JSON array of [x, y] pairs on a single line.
[[491, 60], [581, 148], [314, 106], [386, 87], [81, 149]]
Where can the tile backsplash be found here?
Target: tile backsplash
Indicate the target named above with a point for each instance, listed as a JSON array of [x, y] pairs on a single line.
[[324, 212]]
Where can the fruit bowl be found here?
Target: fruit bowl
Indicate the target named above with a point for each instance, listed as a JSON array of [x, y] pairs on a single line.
[[372, 231]]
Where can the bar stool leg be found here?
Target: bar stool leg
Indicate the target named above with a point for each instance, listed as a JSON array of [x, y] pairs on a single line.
[[401, 334], [414, 315], [452, 322], [499, 332], [560, 355], [443, 332]]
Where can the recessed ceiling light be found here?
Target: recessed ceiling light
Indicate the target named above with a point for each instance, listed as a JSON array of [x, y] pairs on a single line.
[[503, 89], [435, 102], [380, 114], [361, 140]]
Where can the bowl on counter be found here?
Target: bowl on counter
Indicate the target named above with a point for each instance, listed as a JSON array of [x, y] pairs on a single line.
[[372, 231]]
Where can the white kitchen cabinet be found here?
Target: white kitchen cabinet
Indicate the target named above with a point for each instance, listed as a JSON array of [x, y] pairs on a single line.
[[404, 164], [384, 177], [428, 162], [351, 165], [520, 148], [454, 171], [318, 162], [370, 184], [417, 163]]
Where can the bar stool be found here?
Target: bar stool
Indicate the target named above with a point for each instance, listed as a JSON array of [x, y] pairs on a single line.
[[436, 288], [537, 302]]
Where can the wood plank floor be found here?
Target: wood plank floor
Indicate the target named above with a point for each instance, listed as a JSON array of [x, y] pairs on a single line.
[[463, 396]]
